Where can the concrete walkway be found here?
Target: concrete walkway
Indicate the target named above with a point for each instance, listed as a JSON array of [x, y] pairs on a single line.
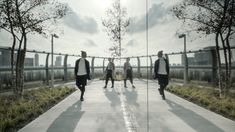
[[125, 110]]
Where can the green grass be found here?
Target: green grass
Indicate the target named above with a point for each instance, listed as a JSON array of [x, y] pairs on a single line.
[[207, 98], [15, 113]]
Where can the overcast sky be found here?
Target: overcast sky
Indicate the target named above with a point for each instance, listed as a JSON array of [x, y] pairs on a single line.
[[82, 29]]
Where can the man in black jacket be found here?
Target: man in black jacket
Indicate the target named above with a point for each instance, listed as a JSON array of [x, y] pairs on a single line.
[[161, 70], [82, 73]]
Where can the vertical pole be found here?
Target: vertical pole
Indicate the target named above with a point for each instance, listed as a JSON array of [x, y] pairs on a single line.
[[151, 67], [93, 67], [65, 68], [138, 69], [185, 63], [52, 63], [47, 69], [167, 58], [103, 65]]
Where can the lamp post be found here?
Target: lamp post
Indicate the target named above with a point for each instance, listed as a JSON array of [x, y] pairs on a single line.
[[185, 60], [52, 59]]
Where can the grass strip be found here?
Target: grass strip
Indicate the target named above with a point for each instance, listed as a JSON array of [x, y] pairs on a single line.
[[207, 98], [15, 113]]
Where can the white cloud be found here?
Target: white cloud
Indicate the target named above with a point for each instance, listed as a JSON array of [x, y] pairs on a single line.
[[90, 43], [157, 14], [81, 23], [132, 43]]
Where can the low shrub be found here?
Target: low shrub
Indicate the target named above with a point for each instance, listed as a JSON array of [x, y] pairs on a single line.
[[207, 98], [15, 113]]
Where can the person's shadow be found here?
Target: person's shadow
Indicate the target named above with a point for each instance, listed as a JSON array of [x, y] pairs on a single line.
[[113, 97], [195, 121], [68, 120], [131, 97]]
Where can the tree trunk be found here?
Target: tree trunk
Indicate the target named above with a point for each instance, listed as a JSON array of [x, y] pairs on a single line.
[[13, 76], [229, 64], [228, 46], [219, 66], [17, 71], [21, 53], [226, 83], [21, 72], [13, 84]]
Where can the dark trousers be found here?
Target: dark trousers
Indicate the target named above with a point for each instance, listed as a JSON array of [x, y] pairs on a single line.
[[163, 82], [128, 75], [109, 75], [81, 82]]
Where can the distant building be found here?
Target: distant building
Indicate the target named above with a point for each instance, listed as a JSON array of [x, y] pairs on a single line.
[[191, 61], [36, 58], [233, 63], [203, 58], [29, 62], [58, 61], [200, 58], [5, 58]]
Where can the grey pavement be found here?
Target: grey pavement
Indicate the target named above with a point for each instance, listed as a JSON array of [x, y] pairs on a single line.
[[122, 109]]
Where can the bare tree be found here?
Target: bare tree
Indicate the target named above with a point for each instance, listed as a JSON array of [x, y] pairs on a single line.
[[116, 25], [212, 17], [20, 18]]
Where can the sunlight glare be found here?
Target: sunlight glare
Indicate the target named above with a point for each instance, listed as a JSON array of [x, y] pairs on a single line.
[[103, 3], [107, 3]]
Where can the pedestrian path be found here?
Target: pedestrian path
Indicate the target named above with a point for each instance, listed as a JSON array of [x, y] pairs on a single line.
[[122, 109]]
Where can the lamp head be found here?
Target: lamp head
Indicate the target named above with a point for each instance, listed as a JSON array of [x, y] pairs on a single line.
[[56, 36], [181, 35]]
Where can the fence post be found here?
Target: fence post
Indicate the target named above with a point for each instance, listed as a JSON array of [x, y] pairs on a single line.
[[214, 67], [47, 69], [167, 58], [65, 68], [151, 68], [103, 65], [92, 67], [138, 69], [185, 69]]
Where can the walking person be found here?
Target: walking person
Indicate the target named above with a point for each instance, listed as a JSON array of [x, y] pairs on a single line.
[[110, 73], [82, 73], [128, 73], [161, 71]]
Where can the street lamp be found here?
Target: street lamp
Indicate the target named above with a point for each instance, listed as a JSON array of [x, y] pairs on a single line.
[[185, 60], [52, 59]]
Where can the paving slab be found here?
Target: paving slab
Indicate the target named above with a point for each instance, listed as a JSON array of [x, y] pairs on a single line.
[[122, 109]]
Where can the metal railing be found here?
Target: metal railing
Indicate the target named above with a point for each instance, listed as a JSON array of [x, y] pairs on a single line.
[[67, 71]]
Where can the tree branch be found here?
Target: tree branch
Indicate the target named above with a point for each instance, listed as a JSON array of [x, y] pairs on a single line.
[[21, 2], [219, 3], [40, 21], [210, 9], [199, 21], [30, 8]]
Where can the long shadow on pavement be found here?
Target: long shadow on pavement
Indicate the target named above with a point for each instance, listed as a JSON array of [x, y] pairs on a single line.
[[131, 97], [113, 97], [195, 121], [68, 120]]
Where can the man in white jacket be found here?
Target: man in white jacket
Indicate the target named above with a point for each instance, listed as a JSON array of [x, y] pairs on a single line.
[[82, 73], [161, 70]]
